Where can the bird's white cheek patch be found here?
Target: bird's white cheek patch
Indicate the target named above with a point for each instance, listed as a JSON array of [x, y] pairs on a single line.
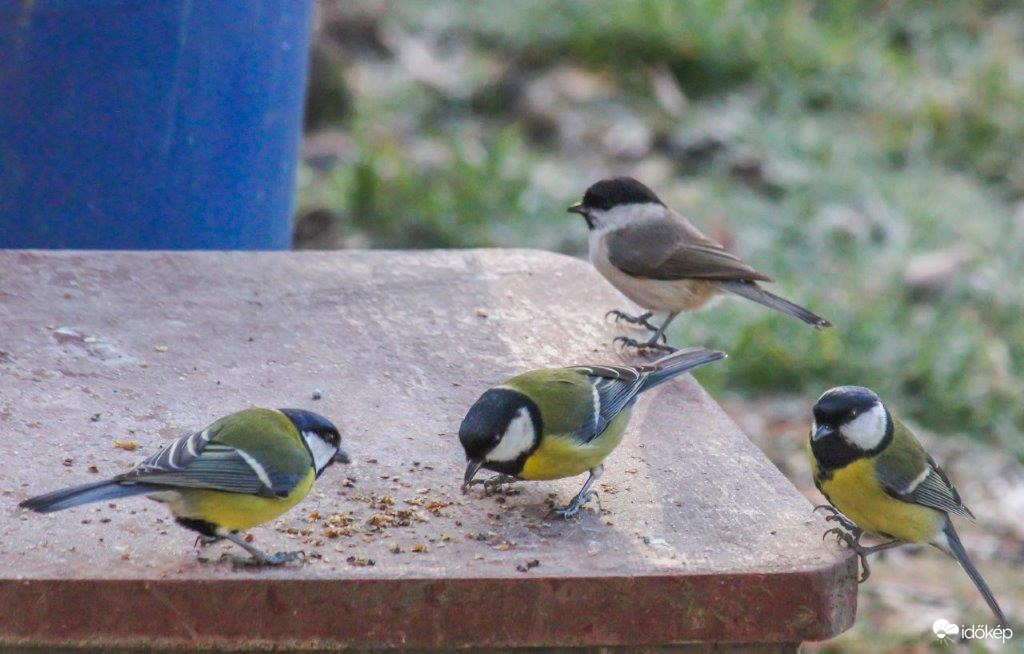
[[867, 430], [322, 451], [629, 214], [518, 438]]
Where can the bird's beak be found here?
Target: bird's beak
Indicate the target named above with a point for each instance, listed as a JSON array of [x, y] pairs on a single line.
[[471, 469], [823, 431], [577, 208], [341, 456]]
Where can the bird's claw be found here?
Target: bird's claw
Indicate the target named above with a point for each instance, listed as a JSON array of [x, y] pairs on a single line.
[[491, 484], [642, 320], [836, 516], [845, 523], [852, 541], [573, 507], [626, 342], [278, 558]]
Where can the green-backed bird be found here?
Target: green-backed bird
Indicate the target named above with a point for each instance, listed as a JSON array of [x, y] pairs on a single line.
[[659, 260], [872, 468], [243, 470], [561, 422]]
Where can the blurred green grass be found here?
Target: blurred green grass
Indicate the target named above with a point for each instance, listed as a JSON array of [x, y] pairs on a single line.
[[883, 135]]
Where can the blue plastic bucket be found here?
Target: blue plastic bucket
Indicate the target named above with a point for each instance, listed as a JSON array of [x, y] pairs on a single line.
[[150, 124]]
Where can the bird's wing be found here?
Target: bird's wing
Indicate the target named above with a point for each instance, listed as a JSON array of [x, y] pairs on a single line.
[[613, 388], [909, 474], [672, 248], [200, 461]]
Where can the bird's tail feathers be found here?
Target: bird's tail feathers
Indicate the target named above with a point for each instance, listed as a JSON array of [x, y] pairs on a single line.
[[66, 498], [679, 362], [951, 545], [753, 291]]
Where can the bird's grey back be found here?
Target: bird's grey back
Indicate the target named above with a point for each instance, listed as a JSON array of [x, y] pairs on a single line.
[[669, 247]]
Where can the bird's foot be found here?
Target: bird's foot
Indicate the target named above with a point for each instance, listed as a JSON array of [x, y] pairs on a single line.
[[836, 516], [573, 507], [625, 342], [281, 558], [203, 540], [494, 483], [642, 320], [261, 559], [853, 542]]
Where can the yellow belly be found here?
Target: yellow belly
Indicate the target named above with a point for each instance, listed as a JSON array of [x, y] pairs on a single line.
[[559, 456], [854, 491], [237, 511]]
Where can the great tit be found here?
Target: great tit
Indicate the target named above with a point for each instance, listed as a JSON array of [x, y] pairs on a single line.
[[243, 470], [561, 422], [660, 261], [872, 468]]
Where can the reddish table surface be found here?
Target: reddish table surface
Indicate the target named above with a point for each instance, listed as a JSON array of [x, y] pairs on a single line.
[[700, 538]]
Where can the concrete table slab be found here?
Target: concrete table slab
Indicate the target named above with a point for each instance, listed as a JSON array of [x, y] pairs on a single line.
[[700, 539]]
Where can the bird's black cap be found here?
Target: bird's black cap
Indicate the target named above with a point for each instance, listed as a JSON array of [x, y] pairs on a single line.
[[837, 404], [309, 421], [616, 191]]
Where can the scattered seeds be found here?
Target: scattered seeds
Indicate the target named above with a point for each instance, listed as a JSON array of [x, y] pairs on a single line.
[[128, 445]]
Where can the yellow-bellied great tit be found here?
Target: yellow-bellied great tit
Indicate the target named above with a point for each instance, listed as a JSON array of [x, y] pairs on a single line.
[[243, 470], [872, 468], [561, 422], [659, 260]]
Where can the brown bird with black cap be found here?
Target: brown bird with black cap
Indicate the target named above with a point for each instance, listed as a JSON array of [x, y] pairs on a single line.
[[660, 261]]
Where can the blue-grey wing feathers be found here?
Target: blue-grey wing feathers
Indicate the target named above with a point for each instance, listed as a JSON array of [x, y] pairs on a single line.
[[196, 462], [614, 388], [617, 387], [178, 455], [933, 489]]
